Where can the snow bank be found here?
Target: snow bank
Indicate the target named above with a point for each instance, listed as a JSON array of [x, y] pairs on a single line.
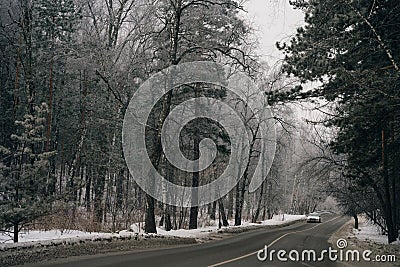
[[283, 218], [204, 231], [55, 237], [30, 238]]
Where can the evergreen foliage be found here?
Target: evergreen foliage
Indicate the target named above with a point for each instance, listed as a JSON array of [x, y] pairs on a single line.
[[351, 48]]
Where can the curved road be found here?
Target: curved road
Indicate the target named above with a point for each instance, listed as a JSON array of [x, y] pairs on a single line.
[[240, 250]]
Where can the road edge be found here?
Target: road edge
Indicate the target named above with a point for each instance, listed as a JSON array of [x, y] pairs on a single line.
[[37, 252], [353, 243]]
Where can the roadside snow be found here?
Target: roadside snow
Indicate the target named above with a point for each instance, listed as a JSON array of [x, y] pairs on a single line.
[[279, 219], [204, 231], [30, 236], [368, 231], [27, 238]]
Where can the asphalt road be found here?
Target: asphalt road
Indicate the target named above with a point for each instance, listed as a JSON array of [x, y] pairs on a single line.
[[240, 250]]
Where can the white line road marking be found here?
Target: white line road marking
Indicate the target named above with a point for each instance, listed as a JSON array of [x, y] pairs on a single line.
[[345, 264], [273, 242], [305, 264]]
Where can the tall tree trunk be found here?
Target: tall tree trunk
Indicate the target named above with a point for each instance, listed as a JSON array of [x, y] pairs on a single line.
[[150, 221], [195, 183], [195, 178], [240, 195], [166, 105], [238, 212], [119, 189], [394, 176], [213, 210], [260, 198], [240, 190], [230, 204], [16, 232], [17, 74], [166, 209], [155, 159], [49, 112], [99, 186], [355, 221], [88, 183], [222, 212], [265, 197], [167, 219], [28, 66], [392, 235], [175, 220]]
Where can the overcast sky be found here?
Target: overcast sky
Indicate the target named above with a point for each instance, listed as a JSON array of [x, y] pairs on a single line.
[[274, 20]]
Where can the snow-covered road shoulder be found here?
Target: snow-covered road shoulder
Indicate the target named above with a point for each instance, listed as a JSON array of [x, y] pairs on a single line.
[[203, 232], [57, 237], [367, 231]]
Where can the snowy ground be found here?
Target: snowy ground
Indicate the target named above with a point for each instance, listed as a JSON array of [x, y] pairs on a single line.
[[203, 231], [54, 237], [57, 236], [30, 236], [368, 231]]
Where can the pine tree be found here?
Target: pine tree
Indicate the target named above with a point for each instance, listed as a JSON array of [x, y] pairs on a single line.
[[352, 49], [196, 30], [25, 174]]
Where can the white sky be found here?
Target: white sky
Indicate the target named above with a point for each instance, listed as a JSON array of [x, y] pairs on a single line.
[[273, 20], [276, 20]]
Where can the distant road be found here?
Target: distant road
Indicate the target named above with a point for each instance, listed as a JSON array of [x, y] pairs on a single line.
[[240, 250]]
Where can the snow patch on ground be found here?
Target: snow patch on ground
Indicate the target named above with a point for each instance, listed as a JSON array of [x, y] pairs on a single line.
[[35, 235], [53, 237], [27, 238], [204, 231], [369, 231]]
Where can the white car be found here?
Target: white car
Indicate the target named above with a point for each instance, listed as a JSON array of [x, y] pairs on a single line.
[[313, 217]]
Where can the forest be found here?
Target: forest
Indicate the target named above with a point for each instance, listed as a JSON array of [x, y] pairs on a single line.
[[69, 69]]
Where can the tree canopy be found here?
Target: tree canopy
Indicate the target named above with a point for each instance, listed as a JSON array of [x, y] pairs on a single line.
[[350, 49]]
